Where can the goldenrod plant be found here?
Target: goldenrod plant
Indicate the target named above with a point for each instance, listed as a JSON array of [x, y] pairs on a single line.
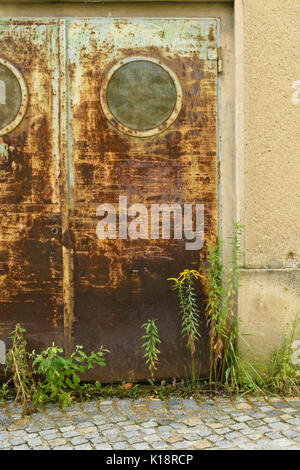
[[189, 310]]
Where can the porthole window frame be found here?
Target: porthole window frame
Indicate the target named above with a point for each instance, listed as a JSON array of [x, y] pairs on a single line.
[[24, 98], [127, 130]]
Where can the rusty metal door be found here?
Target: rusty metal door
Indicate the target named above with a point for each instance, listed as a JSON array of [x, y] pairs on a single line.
[[142, 125], [94, 113], [30, 198]]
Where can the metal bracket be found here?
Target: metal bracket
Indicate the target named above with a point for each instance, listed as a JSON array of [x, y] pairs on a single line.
[[220, 60]]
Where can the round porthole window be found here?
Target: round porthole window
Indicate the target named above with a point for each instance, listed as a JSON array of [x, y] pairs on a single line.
[[141, 97], [13, 97]]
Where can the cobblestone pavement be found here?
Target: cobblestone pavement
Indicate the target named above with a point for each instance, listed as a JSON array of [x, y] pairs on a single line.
[[173, 424]]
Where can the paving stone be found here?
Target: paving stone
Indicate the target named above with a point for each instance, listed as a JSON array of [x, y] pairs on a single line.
[[216, 425], [57, 442], [215, 438], [103, 447], [68, 447], [133, 440], [190, 404], [49, 432], [69, 434], [154, 405], [270, 420], [237, 426], [83, 447], [224, 444], [152, 438], [88, 429], [243, 406], [21, 447], [294, 421], [159, 445], [246, 431], [290, 433], [148, 431], [120, 445], [78, 440], [3, 444], [263, 429], [141, 446], [181, 445], [34, 442], [231, 436], [173, 404], [115, 438], [222, 430], [255, 423], [273, 435], [19, 433], [243, 418], [98, 440], [154, 424], [192, 437], [5, 420], [205, 433], [15, 441], [282, 442], [285, 417], [33, 428], [202, 444], [279, 426]]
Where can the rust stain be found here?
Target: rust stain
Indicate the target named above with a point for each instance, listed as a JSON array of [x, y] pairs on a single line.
[[30, 252]]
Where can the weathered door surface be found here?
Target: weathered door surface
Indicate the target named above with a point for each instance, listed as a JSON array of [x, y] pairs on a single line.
[[30, 207], [108, 156], [143, 126]]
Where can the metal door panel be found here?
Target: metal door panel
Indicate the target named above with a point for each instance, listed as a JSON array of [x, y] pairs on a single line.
[[30, 207], [118, 284]]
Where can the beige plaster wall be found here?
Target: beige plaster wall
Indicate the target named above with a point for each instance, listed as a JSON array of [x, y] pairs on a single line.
[[272, 131], [269, 174], [269, 302]]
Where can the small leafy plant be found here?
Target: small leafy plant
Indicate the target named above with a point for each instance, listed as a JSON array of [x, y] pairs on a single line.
[[59, 375], [189, 310], [48, 376], [152, 352], [5, 392]]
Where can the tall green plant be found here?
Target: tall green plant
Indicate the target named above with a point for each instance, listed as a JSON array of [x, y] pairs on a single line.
[[189, 310], [222, 285], [217, 315], [152, 352]]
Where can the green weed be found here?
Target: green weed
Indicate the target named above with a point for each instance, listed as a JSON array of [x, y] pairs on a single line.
[[152, 352]]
